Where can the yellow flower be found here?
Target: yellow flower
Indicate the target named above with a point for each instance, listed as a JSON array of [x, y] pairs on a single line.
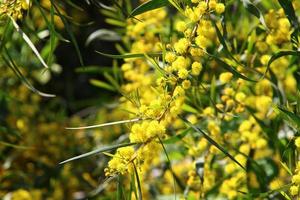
[[183, 73], [212, 4], [196, 68], [297, 142], [276, 184], [192, 118], [294, 190], [220, 8], [202, 41], [21, 194], [240, 97], [225, 77], [182, 45], [296, 179], [181, 26], [265, 59], [261, 143], [170, 57], [186, 84]]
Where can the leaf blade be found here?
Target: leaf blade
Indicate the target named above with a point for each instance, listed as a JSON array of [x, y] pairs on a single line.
[[103, 149], [149, 5]]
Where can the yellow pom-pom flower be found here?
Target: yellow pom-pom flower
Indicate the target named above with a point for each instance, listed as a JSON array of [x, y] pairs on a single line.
[[182, 45], [225, 77], [183, 73], [196, 68], [220, 8]]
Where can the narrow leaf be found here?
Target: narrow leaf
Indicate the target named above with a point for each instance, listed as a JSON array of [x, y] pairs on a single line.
[[28, 41], [69, 31], [103, 34], [93, 69], [14, 145], [138, 182], [128, 55], [285, 195], [227, 67], [189, 108], [214, 143], [289, 12], [103, 125], [254, 11], [101, 84], [223, 42], [170, 167], [149, 5], [291, 118], [279, 55], [10, 63], [177, 137], [103, 149], [286, 168]]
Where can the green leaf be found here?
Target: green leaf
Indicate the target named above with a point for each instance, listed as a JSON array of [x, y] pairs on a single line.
[[11, 64], [129, 55], [189, 108], [213, 142], [289, 12], [101, 187], [155, 65], [250, 7], [285, 195], [102, 84], [6, 33], [176, 4], [223, 42], [105, 124], [266, 129], [267, 194], [140, 197], [75, 5], [112, 80], [119, 188], [291, 118], [15, 146], [149, 5], [212, 92], [69, 31], [28, 41], [286, 168], [103, 149], [103, 34], [115, 22], [279, 55], [169, 166], [177, 137], [227, 67], [93, 69]]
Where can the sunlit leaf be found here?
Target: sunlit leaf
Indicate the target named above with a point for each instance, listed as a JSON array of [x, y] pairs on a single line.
[[213, 142], [103, 34], [279, 55], [97, 151], [105, 124], [254, 11], [149, 5], [102, 84], [128, 55], [28, 41]]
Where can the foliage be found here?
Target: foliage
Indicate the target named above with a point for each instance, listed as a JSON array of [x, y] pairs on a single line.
[[207, 102]]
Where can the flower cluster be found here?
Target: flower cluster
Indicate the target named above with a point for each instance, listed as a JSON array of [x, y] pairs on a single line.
[[191, 82], [13, 8]]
